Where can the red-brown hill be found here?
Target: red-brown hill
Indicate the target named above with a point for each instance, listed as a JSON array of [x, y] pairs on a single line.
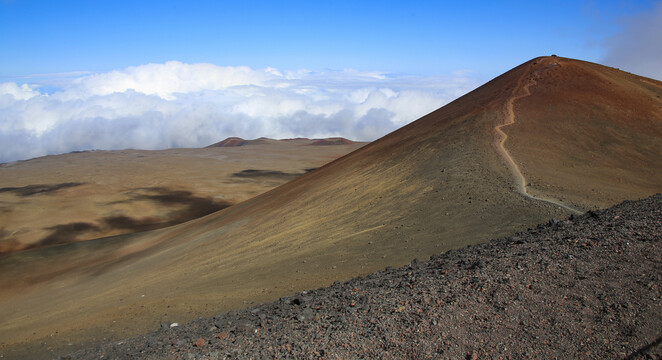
[[332, 141], [229, 142]]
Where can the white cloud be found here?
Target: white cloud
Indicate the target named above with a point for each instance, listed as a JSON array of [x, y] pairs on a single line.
[[638, 48], [10, 89], [173, 77], [157, 106]]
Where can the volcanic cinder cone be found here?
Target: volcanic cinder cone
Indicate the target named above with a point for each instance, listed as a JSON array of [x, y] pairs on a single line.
[[551, 137]]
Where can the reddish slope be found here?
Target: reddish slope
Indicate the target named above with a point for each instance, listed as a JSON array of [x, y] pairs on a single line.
[[229, 142], [588, 133]]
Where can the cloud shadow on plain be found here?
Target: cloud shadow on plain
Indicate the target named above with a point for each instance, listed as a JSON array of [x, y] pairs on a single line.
[[66, 233], [268, 174], [187, 206], [30, 190]]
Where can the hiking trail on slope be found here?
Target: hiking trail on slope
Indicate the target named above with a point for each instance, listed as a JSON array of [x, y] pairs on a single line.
[[501, 138]]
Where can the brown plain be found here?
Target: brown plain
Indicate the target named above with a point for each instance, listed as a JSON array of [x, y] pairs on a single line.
[[80, 196], [436, 184]]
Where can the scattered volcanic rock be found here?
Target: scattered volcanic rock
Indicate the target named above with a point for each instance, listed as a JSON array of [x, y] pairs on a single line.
[[586, 287]]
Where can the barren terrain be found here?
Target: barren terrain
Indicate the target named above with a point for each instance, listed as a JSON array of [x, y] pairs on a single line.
[[564, 290], [598, 127], [434, 185], [87, 195]]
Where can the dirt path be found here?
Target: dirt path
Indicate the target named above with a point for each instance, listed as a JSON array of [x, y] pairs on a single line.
[[501, 138]]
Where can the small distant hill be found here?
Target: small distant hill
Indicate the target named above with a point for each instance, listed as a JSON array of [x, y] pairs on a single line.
[[332, 141], [237, 141], [229, 142]]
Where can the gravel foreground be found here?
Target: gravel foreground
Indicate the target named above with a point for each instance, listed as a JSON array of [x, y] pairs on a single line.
[[588, 287]]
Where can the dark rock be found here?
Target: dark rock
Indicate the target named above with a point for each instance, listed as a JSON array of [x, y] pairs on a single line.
[[415, 264], [223, 323], [297, 301], [244, 328]]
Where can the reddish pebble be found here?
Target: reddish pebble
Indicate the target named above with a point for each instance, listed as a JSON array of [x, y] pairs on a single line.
[[200, 342]]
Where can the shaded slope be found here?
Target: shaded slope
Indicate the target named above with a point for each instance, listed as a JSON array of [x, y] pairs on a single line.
[[431, 186]]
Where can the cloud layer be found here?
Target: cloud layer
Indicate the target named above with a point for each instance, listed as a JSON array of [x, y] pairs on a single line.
[[158, 106]]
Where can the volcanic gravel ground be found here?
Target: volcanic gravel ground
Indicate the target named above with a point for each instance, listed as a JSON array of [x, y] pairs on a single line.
[[588, 287]]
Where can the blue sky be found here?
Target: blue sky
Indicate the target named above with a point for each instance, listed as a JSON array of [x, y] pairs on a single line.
[[419, 37], [353, 68]]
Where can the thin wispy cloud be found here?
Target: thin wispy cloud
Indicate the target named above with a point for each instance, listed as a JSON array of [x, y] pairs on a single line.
[[174, 104], [638, 48]]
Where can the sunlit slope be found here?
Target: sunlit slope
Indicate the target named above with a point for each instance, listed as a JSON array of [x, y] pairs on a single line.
[[588, 133], [436, 184]]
